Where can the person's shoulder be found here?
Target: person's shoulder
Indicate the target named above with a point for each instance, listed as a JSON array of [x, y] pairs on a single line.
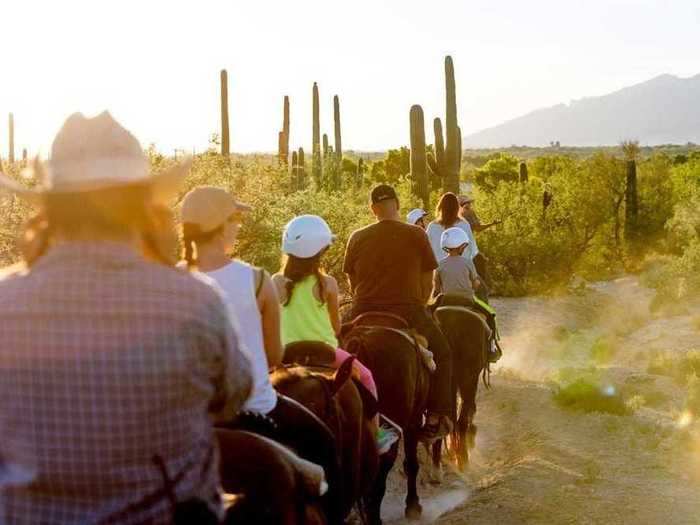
[[330, 282], [12, 278]]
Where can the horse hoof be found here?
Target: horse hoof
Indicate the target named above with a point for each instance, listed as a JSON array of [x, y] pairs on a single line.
[[414, 511], [436, 476]]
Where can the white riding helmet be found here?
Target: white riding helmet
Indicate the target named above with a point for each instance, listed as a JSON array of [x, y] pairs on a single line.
[[453, 238], [414, 215], [305, 236]]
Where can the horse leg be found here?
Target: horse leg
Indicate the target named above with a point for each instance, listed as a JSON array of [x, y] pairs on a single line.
[[373, 500], [436, 464], [411, 466], [467, 426]]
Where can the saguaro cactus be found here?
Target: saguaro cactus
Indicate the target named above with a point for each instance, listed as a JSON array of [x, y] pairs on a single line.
[[225, 145], [359, 175], [285, 127], [301, 170], [419, 173], [452, 140], [325, 147], [631, 203], [336, 121], [523, 178], [316, 169], [11, 154]]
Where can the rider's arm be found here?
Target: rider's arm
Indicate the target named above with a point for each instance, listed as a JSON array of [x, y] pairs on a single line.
[[426, 280], [269, 306], [437, 284], [332, 302]]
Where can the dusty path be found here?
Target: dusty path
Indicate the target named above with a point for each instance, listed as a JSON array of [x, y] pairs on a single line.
[[535, 462]]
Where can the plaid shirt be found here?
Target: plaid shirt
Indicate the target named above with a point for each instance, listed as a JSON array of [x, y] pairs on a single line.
[[105, 361]]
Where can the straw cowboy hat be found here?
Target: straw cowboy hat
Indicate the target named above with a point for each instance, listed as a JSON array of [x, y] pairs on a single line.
[[90, 154]]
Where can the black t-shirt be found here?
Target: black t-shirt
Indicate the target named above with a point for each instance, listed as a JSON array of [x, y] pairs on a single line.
[[385, 262]]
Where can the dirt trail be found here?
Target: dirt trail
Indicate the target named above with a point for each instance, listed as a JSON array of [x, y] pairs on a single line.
[[535, 462]]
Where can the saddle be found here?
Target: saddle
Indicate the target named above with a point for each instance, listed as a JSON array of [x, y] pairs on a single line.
[[394, 323], [309, 353]]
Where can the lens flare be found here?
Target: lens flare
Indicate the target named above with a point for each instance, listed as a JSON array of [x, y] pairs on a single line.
[[685, 419]]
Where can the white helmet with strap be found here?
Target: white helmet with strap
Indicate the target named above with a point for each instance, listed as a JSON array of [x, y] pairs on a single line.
[[305, 236], [453, 238]]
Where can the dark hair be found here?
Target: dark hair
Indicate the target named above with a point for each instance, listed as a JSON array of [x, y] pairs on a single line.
[[296, 269], [447, 210], [108, 212]]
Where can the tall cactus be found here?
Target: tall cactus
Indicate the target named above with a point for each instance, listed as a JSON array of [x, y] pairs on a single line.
[[419, 173], [225, 145], [523, 177], [452, 141], [316, 169], [336, 122], [359, 175], [301, 170], [285, 127], [325, 147], [11, 154]]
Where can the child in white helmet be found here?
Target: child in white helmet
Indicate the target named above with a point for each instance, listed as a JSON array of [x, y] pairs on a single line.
[[309, 299], [455, 274], [456, 279]]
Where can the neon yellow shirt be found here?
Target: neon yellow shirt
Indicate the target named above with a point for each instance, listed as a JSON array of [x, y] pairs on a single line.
[[305, 318]]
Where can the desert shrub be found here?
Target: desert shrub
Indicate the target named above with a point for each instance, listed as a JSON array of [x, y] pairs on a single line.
[[588, 396], [675, 365], [692, 402], [603, 350]]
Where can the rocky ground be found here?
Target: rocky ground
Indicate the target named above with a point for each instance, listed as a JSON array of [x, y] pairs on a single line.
[[536, 462]]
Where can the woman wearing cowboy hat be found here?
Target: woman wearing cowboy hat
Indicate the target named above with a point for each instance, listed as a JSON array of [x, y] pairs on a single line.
[[108, 361]]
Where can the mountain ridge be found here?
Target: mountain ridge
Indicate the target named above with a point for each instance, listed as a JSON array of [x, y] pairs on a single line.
[[661, 110]]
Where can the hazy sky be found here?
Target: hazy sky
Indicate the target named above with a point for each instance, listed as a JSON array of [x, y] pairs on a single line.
[[155, 64]]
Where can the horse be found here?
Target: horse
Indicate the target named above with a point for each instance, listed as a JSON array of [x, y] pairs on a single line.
[[468, 336], [343, 406], [402, 382], [269, 483]]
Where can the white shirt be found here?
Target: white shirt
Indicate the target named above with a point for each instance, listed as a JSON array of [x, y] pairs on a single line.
[[435, 230], [237, 280]]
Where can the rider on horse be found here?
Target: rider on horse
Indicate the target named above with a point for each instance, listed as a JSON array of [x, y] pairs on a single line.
[[309, 299], [390, 267]]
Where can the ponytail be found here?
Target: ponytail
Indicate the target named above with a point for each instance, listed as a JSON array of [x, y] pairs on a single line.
[[296, 269], [192, 236]]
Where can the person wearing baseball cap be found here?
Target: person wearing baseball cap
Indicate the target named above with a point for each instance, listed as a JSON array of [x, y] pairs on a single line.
[[390, 267], [417, 217], [107, 358]]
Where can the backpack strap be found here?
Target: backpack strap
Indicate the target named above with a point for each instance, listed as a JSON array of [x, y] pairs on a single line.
[[258, 279]]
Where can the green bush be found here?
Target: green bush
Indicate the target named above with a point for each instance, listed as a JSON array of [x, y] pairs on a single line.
[[588, 396]]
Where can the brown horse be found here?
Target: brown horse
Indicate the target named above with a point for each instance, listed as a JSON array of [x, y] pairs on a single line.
[[340, 404], [402, 383], [271, 486], [468, 336]]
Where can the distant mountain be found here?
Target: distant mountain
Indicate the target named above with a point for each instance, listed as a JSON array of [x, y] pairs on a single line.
[[663, 110]]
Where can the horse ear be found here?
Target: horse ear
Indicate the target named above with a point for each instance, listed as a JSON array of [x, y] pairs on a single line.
[[342, 375]]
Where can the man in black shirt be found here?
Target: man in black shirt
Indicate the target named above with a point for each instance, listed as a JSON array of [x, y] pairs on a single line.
[[390, 266]]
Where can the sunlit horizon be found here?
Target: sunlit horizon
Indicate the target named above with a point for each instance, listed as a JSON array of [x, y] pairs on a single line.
[[156, 66]]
